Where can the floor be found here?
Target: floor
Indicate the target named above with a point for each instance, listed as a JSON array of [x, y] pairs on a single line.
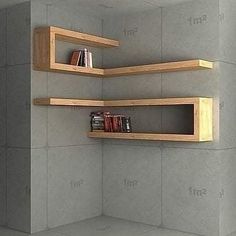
[[101, 226]]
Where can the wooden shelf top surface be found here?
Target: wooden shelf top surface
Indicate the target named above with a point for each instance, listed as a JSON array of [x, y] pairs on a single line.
[[133, 70], [159, 68], [117, 103]]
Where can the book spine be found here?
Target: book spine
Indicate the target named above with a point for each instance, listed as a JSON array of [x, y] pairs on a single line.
[[90, 60], [86, 55], [75, 58]]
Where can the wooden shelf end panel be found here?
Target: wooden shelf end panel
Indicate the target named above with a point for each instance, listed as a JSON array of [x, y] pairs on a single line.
[[42, 45], [205, 126]]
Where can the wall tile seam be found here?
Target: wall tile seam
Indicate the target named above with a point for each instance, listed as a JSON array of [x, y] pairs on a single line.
[[166, 147], [6, 123], [227, 62], [19, 64], [67, 146]]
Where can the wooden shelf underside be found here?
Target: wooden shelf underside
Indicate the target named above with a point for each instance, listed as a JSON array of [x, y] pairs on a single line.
[[144, 136], [132, 70]]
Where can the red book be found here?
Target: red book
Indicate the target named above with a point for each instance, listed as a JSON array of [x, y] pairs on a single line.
[[75, 58]]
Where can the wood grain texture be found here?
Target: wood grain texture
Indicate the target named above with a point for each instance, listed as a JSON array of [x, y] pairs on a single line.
[[45, 56], [82, 38], [203, 116], [68, 102], [144, 136], [159, 68]]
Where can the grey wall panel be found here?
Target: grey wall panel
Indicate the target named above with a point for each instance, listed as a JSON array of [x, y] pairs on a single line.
[[18, 34], [3, 94], [139, 36], [39, 190], [68, 126], [191, 30], [191, 186], [74, 184], [39, 114], [227, 104], [3, 186], [227, 32], [64, 130], [132, 183], [3, 37], [228, 192], [18, 189], [18, 106]]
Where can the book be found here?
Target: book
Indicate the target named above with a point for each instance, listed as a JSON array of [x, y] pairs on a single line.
[[107, 122], [81, 60], [90, 60], [75, 57], [85, 57]]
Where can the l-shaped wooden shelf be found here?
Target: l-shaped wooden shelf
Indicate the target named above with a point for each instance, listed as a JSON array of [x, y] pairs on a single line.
[[45, 55], [202, 108]]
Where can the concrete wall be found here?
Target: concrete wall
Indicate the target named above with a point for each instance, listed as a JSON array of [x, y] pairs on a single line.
[[167, 175], [71, 163], [48, 166], [15, 117], [227, 115]]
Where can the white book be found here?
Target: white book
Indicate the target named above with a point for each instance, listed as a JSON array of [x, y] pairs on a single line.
[[86, 53], [90, 60]]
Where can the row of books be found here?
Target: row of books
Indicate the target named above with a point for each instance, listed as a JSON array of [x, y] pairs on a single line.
[[107, 122], [82, 58]]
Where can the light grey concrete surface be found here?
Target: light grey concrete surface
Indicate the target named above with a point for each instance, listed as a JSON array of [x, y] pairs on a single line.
[[3, 181], [74, 184], [102, 226], [18, 189], [132, 183], [53, 169]]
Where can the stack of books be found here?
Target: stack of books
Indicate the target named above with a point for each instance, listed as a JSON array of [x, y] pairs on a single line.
[[97, 121], [82, 58], [107, 122]]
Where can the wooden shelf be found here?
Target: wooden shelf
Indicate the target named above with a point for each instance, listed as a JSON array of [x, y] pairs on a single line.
[[45, 49], [144, 136], [159, 68], [68, 102], [85, 71], [45, 55], [202, 108]]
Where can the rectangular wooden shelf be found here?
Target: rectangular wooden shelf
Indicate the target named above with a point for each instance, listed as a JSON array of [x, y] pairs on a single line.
[[202, 108], [45, 56], [144, 136], [68, 102], [84, 71], [45, 49], [159, 68]]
